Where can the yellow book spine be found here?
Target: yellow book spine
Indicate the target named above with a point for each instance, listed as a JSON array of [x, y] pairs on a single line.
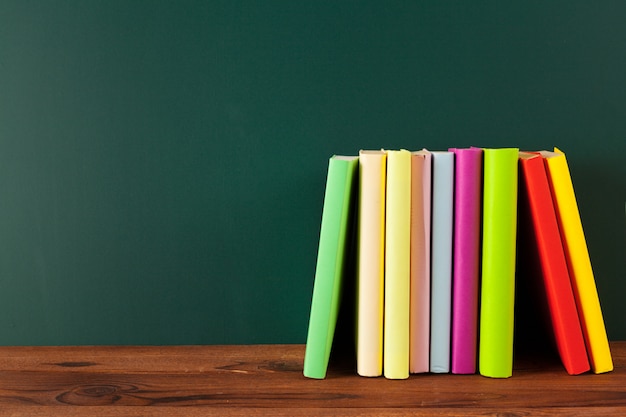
[[371, 263], [397, 265], [579, 263]]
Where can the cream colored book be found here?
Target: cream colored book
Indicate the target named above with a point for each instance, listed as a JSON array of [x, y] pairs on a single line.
[[578, 261], [371, 262], [397, 265]]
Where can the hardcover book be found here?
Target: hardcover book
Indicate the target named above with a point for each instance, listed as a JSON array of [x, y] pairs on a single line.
[[441, 258], [495, 348], [544, 247], [419, 345], [578, 261], [466, 258], [332, 262], [371, 262], [397, 265]]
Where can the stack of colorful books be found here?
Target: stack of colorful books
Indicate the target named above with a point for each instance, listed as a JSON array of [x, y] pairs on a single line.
[[438, 240]]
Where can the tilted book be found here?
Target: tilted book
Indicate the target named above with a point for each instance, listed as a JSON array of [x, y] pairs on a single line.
[[397, 265], [337, 216], [578, 261], [419, 333], [441, 260], [371, 262], [495, 348], [544, 247], [466, 258]]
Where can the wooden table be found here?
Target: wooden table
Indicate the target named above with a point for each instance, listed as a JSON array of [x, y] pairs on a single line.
[[267, 379]]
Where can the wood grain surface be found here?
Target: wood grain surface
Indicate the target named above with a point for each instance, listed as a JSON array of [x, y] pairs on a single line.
[[267, 380]]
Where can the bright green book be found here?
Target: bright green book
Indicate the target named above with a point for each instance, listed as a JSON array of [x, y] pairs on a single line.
[[495, 350], [339, 200]]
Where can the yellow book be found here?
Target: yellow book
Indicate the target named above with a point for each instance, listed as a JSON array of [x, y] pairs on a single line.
[[578, 261], [371, 262], [397, 265]]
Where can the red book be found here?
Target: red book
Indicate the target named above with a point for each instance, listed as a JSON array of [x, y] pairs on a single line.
[[546, 244]]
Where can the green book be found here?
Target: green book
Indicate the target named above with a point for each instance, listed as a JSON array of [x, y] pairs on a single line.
[[495, 350], [337, 219]]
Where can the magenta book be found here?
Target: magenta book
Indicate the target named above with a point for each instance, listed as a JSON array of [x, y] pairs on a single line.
[[466, 259]]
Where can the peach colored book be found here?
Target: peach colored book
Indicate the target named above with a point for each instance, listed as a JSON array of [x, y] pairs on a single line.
[[371, 262], [420, 262]]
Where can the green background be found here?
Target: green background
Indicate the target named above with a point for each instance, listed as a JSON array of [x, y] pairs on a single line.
[[162, 163]]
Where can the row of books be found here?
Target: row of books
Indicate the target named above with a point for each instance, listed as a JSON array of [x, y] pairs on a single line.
[[435, 237]]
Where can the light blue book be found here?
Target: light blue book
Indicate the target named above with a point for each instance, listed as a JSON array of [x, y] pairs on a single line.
[[441, 260]]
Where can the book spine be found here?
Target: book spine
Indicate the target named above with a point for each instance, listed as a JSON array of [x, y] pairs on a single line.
[[331, 255], [397, 265], [441, 282], [579, 264], [495, 354], [371, 262], [419, 356], [467, 223], [544, 248]]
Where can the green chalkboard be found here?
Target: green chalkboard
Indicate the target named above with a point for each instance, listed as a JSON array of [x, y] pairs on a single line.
[[162, 163]]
